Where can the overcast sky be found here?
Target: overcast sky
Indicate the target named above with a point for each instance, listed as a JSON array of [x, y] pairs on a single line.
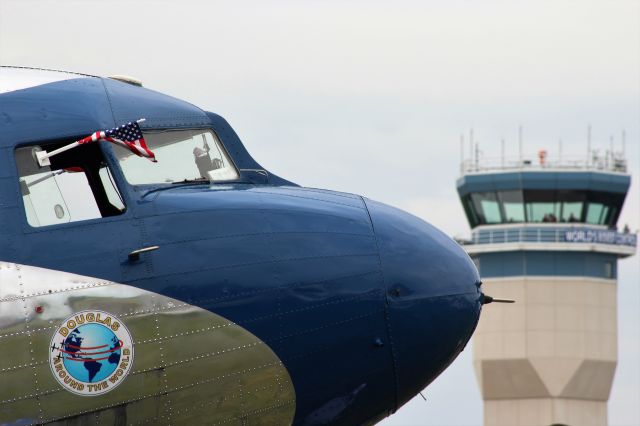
[[371, 98]]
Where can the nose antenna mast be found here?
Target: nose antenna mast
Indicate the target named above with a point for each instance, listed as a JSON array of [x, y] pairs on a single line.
[[488, 299]]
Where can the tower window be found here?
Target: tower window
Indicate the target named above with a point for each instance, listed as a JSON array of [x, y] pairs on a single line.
[[597, 213], [512, 205], [571, 211], [486, 204]]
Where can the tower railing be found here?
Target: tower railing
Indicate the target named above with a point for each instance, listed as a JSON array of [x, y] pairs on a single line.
[[552, 234], [608, 161]]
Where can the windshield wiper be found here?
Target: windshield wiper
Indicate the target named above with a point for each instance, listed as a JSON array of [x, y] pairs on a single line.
[[186, 182], [196, 180]]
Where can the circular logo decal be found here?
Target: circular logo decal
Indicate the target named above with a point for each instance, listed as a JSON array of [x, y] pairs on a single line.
[[91, 353]]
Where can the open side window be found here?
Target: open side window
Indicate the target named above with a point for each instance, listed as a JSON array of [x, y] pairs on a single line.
[[77, 186]]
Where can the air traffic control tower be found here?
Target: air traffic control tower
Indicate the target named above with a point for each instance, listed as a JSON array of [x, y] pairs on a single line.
[[544, 234]]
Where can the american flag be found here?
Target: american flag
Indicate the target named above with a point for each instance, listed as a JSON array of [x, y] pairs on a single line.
[[128, 136]]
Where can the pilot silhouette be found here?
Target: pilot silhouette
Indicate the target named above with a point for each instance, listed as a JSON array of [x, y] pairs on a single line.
[[204, 162]]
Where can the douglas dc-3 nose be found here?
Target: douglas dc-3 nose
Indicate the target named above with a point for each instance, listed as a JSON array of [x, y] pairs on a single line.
[[223, 293], [433, 293]]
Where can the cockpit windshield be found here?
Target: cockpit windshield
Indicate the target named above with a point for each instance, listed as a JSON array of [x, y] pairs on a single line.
[[183, 155]]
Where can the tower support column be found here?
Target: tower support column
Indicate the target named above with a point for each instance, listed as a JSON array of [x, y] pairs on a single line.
[[550, 358]]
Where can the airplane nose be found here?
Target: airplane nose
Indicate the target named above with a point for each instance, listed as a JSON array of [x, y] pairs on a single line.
[[433, 296]]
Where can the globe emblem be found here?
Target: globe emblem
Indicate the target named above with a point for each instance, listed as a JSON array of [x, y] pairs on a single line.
[[91, 352]]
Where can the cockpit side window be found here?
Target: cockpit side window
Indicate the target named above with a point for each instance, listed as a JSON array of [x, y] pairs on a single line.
[[182, 155], [77, 186]]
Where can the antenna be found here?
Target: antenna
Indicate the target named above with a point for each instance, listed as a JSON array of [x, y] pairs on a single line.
[[560, 151], [471, 145], [624, 142], [502, 153], [588, 145], [610, 156], [462, 152], [520, 144], [484, 299]]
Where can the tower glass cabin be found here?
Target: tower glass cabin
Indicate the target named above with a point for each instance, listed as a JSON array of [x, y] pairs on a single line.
[[545, 235]]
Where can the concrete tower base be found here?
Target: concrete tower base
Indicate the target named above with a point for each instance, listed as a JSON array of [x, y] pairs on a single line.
[[545, 412], [549, 358]]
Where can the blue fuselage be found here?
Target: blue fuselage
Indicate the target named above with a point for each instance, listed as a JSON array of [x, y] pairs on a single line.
[[364, 304]]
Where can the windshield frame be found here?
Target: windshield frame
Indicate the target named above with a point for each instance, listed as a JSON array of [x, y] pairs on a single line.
[[217, 139]]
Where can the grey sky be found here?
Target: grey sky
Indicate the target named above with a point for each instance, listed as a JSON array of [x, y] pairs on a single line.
[[371, 97]]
